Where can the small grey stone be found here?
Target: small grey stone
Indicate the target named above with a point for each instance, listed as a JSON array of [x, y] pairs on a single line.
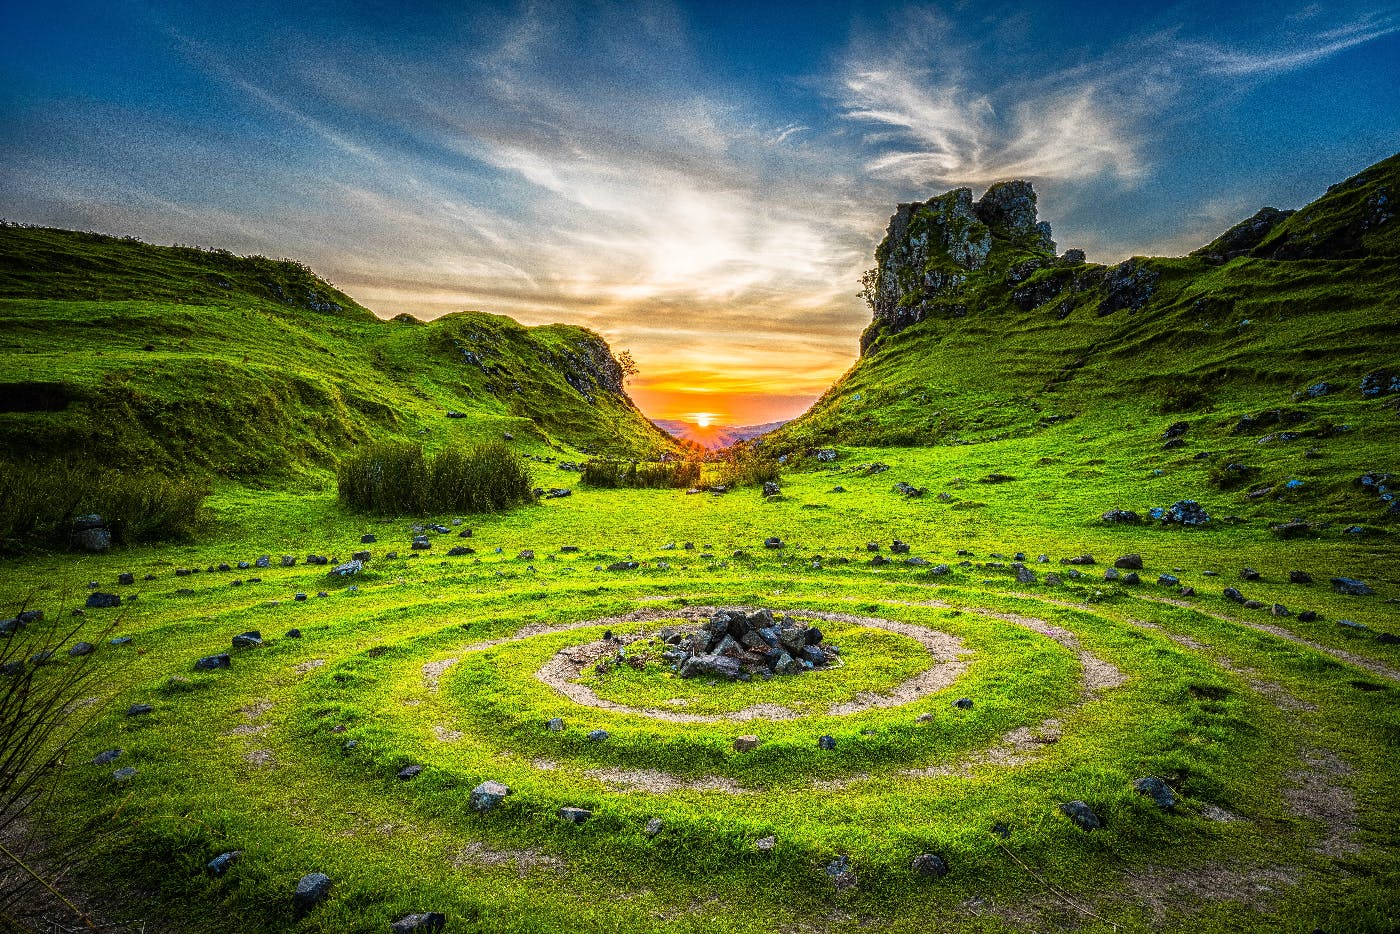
[[248, 640], [487, 795], [107, 757], [826, 742], [311, 890], [842, 876], [80, 649], [423, 921], [765, 844], [575, 815], [963, 703], [103, 601], [1342, 585], [929, 865], [598, 736], [653, 827], [1158, 790], [408, 771], [1082, 815], [124, 774], [136, 710], [223, 862], [213, 662], [555, 725]]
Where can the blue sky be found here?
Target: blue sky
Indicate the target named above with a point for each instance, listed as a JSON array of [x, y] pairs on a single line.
[[702, 183]]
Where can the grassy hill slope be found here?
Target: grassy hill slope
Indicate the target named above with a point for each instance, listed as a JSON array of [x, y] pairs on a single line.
[[201, 361], [1276, 345]]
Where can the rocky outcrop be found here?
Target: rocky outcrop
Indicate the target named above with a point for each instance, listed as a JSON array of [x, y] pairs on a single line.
[[1240, 239], [932, 247]]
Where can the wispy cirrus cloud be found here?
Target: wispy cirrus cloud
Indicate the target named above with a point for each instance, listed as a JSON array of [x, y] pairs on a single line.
[[928, 117]]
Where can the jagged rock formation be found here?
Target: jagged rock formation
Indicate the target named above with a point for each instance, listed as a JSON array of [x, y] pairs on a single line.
[[930, 248]]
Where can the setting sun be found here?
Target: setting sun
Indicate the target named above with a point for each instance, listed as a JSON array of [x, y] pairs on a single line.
[[703, 419]]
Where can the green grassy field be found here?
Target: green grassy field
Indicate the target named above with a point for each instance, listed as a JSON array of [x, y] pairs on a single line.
[[984, 680], [290, 755]]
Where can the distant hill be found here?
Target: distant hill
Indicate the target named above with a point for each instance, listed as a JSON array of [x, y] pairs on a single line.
[[715, 437], [193, 360], [980, 331]]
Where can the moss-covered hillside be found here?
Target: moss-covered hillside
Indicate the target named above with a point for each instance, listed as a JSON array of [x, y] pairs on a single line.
[[202, 361], [980, 331]]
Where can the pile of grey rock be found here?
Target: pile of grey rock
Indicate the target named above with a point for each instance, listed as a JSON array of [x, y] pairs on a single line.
[[735, 645]]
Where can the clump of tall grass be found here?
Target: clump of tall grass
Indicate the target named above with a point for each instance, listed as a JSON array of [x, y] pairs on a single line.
[[398, 478], [744, 465], [615, 474], [41, 713], [39, 502]]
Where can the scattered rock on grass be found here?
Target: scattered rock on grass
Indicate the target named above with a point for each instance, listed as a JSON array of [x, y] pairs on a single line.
[[311, 890], [1082, 815], [575, 815], [1156, 789], [487, 795], [747, 743], [1342, 585], [842, 876], [103, 601], [213, 662], [223, 862], [423, 921], [929, 865]]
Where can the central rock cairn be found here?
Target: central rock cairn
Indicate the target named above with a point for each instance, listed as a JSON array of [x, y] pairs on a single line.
[[736, 645]]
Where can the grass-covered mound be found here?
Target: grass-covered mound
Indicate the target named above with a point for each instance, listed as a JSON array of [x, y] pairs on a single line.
[[199, 361], [1022, 340]]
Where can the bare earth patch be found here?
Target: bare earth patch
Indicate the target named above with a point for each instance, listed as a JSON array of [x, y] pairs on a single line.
[[1317, 792], [432, 672], [1163, 891], [446, 735], [651, 780], [262, 758], [523, 860], [311, 665]]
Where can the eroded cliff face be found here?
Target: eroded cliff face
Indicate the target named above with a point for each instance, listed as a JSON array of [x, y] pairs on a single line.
[[931, 248]]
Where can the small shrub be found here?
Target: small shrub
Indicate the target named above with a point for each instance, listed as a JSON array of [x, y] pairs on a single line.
[[397, 478], [39, 502], [612, 474], [41, 714], [748, 466]]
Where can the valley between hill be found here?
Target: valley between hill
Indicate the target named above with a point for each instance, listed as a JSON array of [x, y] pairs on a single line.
[[992, 476]]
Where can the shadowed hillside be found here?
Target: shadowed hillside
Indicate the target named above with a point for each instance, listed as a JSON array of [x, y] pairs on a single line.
[[195, 360]]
